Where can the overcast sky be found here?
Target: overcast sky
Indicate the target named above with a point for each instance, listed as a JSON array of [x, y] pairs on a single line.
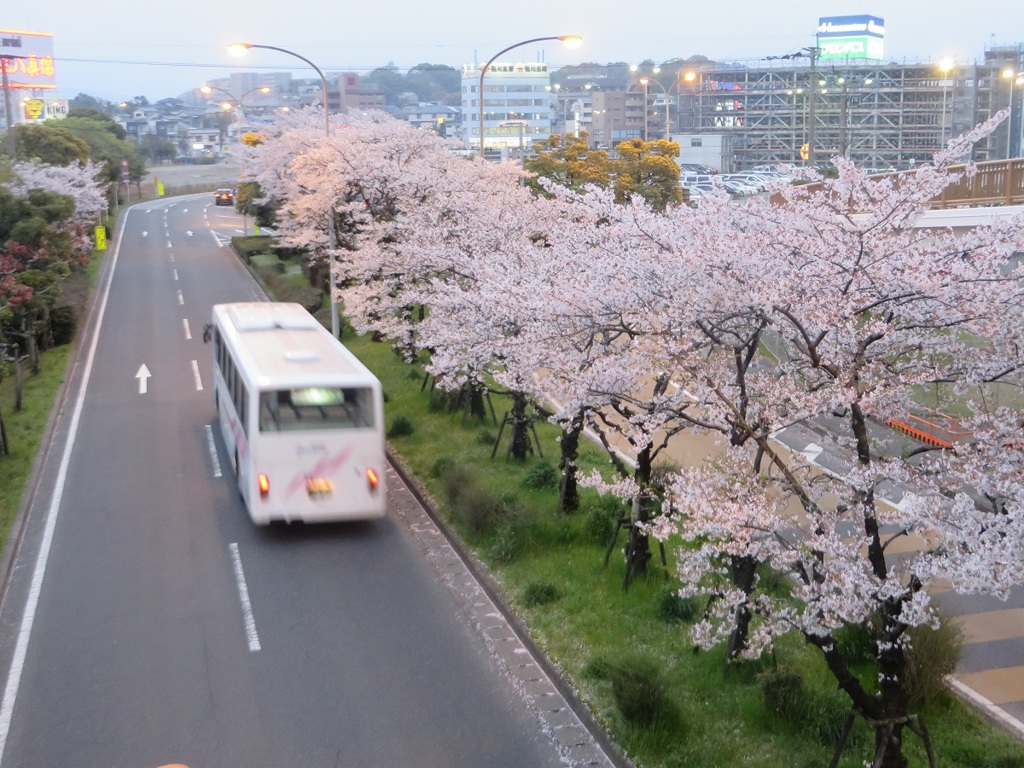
[[116, 50]]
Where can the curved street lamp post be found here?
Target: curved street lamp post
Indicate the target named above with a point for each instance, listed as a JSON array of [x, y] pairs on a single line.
[[207, 90], [236, 101], [241, 48], [570, 40], [644, 82], [1015, 78], [945, 67]]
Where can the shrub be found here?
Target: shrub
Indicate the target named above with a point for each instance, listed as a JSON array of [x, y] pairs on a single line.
[[442, 465], [401, 426], [825, 716], [598, 668], [540, 593], [931, 655], [639, 691], [485, 436], [505, 547], [476, 509], [782, 692], [673, 607], [436, 404], [455, 480], [601, 519], [63, 322], [542, 474]]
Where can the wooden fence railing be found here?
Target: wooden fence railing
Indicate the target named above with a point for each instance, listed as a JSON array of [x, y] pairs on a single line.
[[997, 182]]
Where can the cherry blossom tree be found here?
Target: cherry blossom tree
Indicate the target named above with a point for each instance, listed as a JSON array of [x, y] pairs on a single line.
[[867, 306]]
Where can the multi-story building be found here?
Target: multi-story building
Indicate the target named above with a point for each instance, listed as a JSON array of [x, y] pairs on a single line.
[[352, 96], [617, 116], [516, 106]]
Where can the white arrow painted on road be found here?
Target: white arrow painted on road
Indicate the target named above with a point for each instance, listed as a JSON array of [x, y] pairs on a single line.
[[188, 232], [145, 234], [143, 377]]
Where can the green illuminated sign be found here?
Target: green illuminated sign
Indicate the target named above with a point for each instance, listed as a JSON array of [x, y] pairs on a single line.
[[850, 48]]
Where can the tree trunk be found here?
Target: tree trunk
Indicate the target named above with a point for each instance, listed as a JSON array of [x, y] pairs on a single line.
[[858, 422], [892, 668], [477, 407], [520, 427], [17, 381], [638, 551], [744, 571], [568, 491], [47, 329]]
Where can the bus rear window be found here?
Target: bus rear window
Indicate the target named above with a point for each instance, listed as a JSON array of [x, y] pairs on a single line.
[[289, 410]]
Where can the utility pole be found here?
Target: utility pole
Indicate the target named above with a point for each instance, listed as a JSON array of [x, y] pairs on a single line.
[[12, 147]]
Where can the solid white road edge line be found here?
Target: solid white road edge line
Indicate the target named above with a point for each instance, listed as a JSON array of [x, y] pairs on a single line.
[[35, 588], [243, 592]]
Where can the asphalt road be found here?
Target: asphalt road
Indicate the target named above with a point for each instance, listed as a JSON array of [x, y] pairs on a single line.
[[148, 622]]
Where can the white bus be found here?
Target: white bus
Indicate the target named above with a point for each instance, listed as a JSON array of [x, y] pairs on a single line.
[[302, 418]]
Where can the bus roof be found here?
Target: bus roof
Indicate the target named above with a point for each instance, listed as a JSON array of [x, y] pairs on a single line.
[[281, 345]]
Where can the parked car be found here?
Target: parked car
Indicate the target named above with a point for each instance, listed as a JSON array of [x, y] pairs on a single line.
[[758, 180], [224, 197], [690, 168], [739, 188]]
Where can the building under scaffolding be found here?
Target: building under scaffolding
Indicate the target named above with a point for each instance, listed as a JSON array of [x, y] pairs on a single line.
[[879, 115]]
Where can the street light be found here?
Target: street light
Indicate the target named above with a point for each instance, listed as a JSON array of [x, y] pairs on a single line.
[[945, 67], [644, 81], [208, 89], [693, 78], [571, 41], [239, 49]]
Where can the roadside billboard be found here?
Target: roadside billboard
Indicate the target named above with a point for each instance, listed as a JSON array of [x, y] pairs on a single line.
[[27, 59], [851, 37], [36, 109], [56, 109]]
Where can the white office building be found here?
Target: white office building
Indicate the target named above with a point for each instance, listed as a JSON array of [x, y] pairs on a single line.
[[517, 107]]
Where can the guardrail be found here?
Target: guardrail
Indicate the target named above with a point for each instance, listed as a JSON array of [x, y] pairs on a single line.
[[996, 183], [939, 429]]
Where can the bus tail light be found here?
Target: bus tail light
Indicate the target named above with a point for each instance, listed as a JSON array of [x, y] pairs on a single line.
[[264, 483], [372, 478]]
